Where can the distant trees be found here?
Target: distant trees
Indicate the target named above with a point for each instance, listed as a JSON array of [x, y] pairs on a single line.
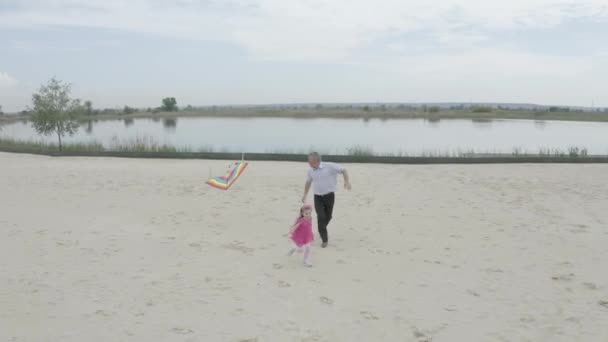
[[169, 104], [128, 110], [559, 109], [55, 111], [88, 105], [1, 112], [434, 109], [481, 109]]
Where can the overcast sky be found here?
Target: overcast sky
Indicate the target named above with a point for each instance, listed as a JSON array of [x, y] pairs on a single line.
[[118, 53]]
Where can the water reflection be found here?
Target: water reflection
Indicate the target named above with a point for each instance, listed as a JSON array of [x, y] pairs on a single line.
[[89, 128], [540, 124], [170, 124], [156, 119], [432, 122], [128, 122], [482, 123]]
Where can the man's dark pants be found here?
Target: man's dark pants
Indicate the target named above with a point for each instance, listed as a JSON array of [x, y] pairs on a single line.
[[324, 206]]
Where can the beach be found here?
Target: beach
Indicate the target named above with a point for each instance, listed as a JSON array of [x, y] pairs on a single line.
[[110, 249]]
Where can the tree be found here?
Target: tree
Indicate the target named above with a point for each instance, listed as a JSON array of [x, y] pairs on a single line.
[[169, 104], [89, 107], [1, 112], [55, 111], [128, 110]]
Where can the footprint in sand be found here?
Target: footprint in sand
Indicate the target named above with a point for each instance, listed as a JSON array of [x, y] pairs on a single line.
[[277, 266], [563, 277], [493, 270], [197, 246], [240, 247], [420, 336], [473, 293], [590, 286], [249, 340], [368, 315], [578, 231], [326, 300], [102, 313], [183, 331], [527, 319], [283, 284], [603, 303], [312, 338]]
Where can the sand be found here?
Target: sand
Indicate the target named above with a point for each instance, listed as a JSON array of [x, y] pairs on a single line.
[[102, 249]]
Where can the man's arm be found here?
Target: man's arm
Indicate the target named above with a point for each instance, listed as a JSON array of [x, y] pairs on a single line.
[[346, 179], [306, 189], [342, 170]]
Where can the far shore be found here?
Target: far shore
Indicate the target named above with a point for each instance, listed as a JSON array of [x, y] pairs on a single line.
[[342, 113]]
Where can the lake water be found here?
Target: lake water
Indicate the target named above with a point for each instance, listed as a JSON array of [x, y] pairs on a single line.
[[336, 136]]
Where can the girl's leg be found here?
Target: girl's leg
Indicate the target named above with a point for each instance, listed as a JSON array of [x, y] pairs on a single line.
[[307, 255]]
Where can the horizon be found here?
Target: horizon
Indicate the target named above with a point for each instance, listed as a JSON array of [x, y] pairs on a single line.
[[513, 106], [271, 52]]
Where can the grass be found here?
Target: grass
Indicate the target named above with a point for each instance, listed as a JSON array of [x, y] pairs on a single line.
[[141, 144], [39, 146], [146, 145]]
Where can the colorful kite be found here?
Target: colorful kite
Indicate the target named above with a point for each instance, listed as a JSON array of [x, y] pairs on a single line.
[[225, 182]]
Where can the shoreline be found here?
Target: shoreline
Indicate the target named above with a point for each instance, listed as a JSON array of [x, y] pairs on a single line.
[[388, 114], [349, 159]]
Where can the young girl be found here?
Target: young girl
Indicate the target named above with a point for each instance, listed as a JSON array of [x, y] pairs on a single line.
[[301, 233]]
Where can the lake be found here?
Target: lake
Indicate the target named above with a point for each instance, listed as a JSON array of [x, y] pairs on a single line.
[[337, 136]]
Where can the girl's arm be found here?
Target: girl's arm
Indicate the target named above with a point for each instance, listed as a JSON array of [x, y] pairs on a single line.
[[293, 228]]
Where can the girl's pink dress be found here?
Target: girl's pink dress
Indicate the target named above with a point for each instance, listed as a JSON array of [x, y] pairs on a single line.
[[303, 232]]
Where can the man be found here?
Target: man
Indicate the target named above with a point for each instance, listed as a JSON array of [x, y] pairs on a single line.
[[324, 178]]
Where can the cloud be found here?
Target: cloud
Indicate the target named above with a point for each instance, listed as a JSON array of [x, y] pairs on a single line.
[[6, 80], [305, 30], [445, 49]]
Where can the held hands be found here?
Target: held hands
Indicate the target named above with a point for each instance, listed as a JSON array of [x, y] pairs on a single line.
[[347, 186]]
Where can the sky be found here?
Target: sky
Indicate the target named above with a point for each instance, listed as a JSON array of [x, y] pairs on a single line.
[[222, 52]]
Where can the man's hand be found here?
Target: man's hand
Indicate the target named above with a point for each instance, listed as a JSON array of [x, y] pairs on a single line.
[[304, 199], [347, 186]]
